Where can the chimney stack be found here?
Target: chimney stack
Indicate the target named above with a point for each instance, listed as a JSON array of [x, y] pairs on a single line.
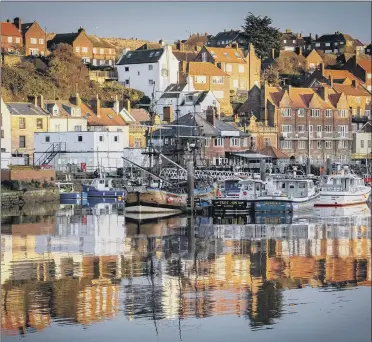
[[40, 101], [316, 37], [18, 23], [210, 115], [323, 92], [76, 100], [97, 106], [287, 30], [168, 114], [321, 66], [127, 105], [116, 105], [32, 99], [161, 42], [300, 50]]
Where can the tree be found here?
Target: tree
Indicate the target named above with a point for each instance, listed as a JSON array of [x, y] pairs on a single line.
[[259, 32], [271, 76]]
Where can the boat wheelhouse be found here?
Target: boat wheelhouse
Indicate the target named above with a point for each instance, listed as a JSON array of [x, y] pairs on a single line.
[[343, 189], [103, 187], [67, 193]]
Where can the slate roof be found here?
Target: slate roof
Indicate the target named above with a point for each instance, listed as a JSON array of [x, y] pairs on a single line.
[[207, 128], [231, 35], [173, 87], [331, 38], [67, 38], [8, 29], [24, 108], [141, 57], [25, 27], [62, 107], [100, 43]]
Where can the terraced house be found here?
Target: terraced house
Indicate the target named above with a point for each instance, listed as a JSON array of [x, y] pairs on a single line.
[[306, 122], [244, 71], [34, 37], [81, 44], [206, 76], [103, 53]]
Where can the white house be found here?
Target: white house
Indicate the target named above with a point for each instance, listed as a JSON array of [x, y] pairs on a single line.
[[150, 71], [362, 146], [88, 149], [6, 138], [186, 99]]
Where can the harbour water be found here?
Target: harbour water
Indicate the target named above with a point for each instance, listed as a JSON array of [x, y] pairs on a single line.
[[91, 274]]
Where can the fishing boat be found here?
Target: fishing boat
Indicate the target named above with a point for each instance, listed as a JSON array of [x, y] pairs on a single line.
[[274, 194], [67, 192], [342, 189], [103, 187]]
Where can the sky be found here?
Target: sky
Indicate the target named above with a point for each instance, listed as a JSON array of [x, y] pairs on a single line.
[[175, 20]]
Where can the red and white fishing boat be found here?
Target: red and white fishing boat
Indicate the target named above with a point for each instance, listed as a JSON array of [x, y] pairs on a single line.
[[342, 189]]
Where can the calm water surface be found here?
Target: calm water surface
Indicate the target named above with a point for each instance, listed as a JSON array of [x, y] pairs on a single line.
[[92, 274]]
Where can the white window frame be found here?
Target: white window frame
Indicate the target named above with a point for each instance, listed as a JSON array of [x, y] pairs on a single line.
[[77, 49], [328, 128], [200, 79], [327, 44], [204, 56], [101, 51], [286, 129], [343, 113], [328, 145], [217, 79], [328, 113], [10, 39], [33, 41], [285, 41], [17, 40], [218, 142], [235, 142], [302, 129], [94, 50], [319, 144], [286, 145], [301, 144], [84, 49], [41, 41], [229, 67], [317, 44], [241, 68], [301, 112], [286, 112], [315, 113]]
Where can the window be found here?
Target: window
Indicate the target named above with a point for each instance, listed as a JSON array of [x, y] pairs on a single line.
[[367, 113], [335, 44], [33, 40], [319, 128], [101, 51], [150, 67], [241, 68], [217, 79], [343, 130], [328, 145], [236, 83], [126, 81], [18, 40], [2, 133], [317, 44], [286, 144], [369, 143], [80, 138], [327, 44], [77, 49], [116, 138], [328, 128], [102, 62], [285, 41], [301, 112], [100, 138], [22, 141], [151, 82], [47, 138], [369, 76], [343, 113], [218, 142], [207, 142], [287, 128], [204, 57], [219, 94], [110, 51], [39, 123], [200, 79], [234, 142], [22, 123], [10, 39], [41, 41], [286, 112], [315, 113], [84, 49], [357, 99], [301, 145], [57, 128], [319, 145], [362, 144], [126, 69], [77, 128], [293, 41], [328, 113], [301, 128], [94, 50]]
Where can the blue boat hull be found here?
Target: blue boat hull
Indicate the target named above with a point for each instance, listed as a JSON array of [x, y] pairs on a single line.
[[73, 195], [92, 192], [83, 201]]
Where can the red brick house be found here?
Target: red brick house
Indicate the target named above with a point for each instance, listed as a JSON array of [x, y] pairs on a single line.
[[11, 38], [33, 36], [103, 52], [79, 41]]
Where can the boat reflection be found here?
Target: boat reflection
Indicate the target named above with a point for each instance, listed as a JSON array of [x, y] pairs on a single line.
[[87, 263]]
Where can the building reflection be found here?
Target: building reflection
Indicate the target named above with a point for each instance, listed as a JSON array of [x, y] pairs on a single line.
[[85, 265]]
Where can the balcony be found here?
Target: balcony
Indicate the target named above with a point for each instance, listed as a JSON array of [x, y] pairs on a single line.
[[359, 118], [315, 135]]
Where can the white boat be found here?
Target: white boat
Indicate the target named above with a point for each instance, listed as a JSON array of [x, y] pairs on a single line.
[[342, 189], [274, 194]]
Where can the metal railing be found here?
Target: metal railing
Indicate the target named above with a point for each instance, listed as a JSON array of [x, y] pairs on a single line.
[[50, 153], [315, 135]]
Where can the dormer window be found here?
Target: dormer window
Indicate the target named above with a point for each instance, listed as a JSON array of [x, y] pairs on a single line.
[[189, 98], [55, 111]]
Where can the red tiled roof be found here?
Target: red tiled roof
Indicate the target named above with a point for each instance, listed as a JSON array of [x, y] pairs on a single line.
[[366, 64], [107, 116], [273, 152], [140, 114], [8, 29], [350, 90]]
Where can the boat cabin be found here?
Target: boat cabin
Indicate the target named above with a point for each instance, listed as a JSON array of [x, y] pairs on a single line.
[[102, 184], [342, 183]]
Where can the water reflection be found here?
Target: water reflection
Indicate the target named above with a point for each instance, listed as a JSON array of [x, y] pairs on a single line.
[[85, 265]]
